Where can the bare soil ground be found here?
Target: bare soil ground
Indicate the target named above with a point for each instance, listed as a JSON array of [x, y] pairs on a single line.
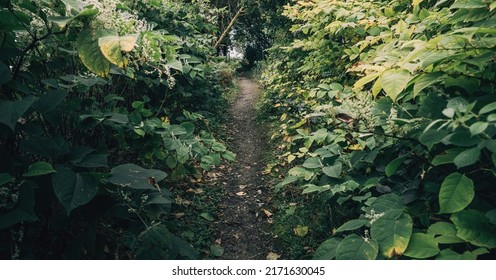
[[244, 226]]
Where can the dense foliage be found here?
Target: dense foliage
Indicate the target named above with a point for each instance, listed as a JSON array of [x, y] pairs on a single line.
[[104, 107], [385, 114]]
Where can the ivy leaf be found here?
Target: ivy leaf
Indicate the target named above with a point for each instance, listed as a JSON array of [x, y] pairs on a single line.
[[395, 81], [456, 193], [355, 247], [422, 246], [39, 168]]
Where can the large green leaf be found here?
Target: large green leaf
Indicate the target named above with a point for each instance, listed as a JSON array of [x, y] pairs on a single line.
[[393, 166], [73, 189], [474, 227], [333, 171], [90, 53], [327, 250], [351, 225], [355, 247], [456, 193], [11, 111], [113, 46], [395, 81], [157, 243], [49, 101], [422, 246], [468, 4], [135, 177], [393, 233], [386, 203], [39, 168], [432, 137], [427, 80], [467, 157]]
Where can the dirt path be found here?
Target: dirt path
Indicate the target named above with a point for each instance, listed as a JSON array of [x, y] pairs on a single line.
[[243, 226]]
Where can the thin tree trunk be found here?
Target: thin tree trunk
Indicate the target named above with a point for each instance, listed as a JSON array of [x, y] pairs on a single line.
[[228, 28]]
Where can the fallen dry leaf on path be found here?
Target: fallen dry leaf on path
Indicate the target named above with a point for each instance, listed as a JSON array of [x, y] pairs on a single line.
[[241, 193], [267, 213], [273, 256]]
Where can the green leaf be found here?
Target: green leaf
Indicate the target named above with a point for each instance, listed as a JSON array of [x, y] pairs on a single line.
[[467, 157], [11, 111], [447, 156], [207, 216], [395, 81], [393, 166], [333, 171], [474, 227], [176, 64], [90, 53], [39, 168], [354, 247], [301, 173], [113, 46], [468, 4], [60, 21], [218, 147], [351, 225], [488, 108], [448, 254], [92, 161], [327, 250], [49, 101], [491, 215], [392, 233], [5, 178], [427, 80], [456, 193], [365, 80], [422, 246], [216, 250], [441, 228], [386, 203], [135, 177], [73, 189], [5, 74], [312, 163], [230, 156], [478, 128], [432, 137]]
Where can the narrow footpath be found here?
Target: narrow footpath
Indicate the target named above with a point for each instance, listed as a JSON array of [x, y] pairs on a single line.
[[244, 226]]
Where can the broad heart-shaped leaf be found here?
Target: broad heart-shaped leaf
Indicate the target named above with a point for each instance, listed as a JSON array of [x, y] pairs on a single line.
[[395, 81], [157, 243], [24, 210], [386, 203], [467, 157], [392, 232], [90, 53], [333, 171], [73, 189], [312, 163], [39, 168], [394, 165], [327, 250], [351, 225], [49, 101], [456, 193], [11, 111], [422, 246], [113, 46], [135, 177], [474, 227], [448, 254], [354, 247]]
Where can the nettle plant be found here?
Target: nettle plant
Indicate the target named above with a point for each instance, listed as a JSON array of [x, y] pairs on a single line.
[[406, 134], [92, 135]]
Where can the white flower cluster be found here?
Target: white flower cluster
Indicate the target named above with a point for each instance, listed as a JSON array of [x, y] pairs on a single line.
[[8, 197], [373, 216], [112, 18], [17, 236], [360, 108]]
